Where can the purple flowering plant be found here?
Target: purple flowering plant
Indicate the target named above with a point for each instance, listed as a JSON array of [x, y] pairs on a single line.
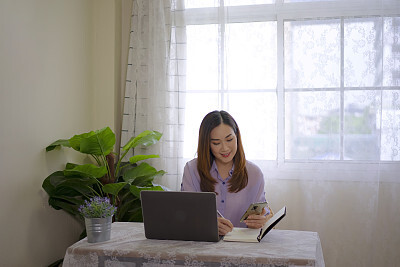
[[97, 207]]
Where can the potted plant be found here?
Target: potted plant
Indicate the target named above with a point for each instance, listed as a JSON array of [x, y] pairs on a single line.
[[98, 213], [120, 181]]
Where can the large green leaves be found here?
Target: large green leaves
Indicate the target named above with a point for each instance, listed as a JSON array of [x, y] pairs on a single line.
[[100, 143], [58, 143], [145, 138], [68, 192], [86, 170], [69, 188], [130, 209], [113, 188], [75, 141], [135, 190], [138, 158], [58, 184], [50, 183], [142, 175]]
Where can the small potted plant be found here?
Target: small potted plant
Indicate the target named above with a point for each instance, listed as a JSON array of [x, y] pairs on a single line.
[[98, 213]]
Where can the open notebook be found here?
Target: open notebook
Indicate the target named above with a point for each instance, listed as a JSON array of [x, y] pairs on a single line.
[[254, 235]]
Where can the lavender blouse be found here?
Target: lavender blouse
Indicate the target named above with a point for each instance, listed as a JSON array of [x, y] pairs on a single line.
[[231, 205]]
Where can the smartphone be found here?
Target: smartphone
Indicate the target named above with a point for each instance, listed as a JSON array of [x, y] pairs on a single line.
[[254, 208]]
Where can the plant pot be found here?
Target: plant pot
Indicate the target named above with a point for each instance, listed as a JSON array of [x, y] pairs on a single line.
[[98, 229]]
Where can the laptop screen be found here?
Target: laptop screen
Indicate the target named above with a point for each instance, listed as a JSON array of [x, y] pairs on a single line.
[[177, 215]]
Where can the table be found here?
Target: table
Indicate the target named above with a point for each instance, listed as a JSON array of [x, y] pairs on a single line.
[[128, 246]]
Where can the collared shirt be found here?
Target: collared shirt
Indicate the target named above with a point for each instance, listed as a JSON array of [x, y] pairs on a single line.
[[231, 205]]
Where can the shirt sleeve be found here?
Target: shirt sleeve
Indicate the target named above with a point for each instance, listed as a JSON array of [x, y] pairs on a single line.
[[258, 175], [191, 178], [261, 191]]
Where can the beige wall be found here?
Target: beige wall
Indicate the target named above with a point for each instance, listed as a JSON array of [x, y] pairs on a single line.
[[58, 65], [105, 63]]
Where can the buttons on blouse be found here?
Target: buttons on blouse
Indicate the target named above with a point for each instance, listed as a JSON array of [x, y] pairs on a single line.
[[223, 188]]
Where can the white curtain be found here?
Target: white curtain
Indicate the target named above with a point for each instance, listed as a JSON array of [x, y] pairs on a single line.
[[152, 99], [314, 87]]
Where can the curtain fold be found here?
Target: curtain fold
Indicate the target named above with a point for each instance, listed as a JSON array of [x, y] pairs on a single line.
[[152, 85]]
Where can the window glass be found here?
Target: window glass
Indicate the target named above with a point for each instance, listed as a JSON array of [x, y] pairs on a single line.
[[247, 2], [390, 128], [216, 3], [202, 57], [362, 52], [391, 51], [197, 105], [301, 1], [251, 56], [200, 4], [256, 115], [312, 49], [312, 125], [361, 132], [336, 90]]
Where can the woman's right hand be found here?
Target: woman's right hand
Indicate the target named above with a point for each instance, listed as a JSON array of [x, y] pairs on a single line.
[[224, 226]]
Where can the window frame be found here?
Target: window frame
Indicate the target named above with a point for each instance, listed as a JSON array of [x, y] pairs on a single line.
[[282, 12]]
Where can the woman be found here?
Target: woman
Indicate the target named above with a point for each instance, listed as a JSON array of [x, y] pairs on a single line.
[[221, 167]]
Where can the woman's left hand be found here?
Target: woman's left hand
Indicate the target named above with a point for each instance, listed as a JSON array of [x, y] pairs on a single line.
[[257, 221]]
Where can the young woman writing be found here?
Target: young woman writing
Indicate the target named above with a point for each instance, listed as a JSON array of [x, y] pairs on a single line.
[[221, 167]]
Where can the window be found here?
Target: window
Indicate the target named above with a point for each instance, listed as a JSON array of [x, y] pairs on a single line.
[[307, 81]]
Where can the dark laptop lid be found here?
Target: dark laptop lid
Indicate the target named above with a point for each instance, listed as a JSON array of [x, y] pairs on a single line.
[[177, 215]]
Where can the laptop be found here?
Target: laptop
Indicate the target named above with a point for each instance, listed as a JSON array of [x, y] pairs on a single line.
[[178, 215]]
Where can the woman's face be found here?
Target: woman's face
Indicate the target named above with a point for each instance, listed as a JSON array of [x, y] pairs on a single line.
[[223, 144]]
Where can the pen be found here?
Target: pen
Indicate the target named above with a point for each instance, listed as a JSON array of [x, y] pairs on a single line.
[[219, 214]]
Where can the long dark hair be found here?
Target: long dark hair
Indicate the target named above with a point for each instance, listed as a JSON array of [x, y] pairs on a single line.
[[205, 157]]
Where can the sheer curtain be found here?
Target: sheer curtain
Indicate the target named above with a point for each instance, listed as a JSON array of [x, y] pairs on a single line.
[[314, 87], [152, 91]]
